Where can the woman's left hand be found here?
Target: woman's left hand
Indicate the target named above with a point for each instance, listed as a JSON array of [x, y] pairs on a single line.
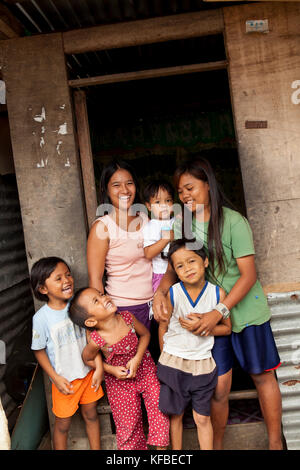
[[208, 322], [191, 323], [205, 322]]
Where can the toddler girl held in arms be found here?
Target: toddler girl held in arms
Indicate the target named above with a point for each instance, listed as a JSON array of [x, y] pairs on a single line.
[[158, 197]]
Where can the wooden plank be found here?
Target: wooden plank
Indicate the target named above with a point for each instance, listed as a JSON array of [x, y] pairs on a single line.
[[243, 395], [7, 30], [275, 226], [282, 287], [10, 27], [145, 74], [134, 33], [263, 72], [86, 156], [45, 151], [2, 58]]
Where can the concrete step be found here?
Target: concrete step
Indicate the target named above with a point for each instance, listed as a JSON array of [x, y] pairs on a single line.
[[250, 436]]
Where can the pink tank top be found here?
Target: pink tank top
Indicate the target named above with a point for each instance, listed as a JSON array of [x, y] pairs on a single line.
[[129, 273]]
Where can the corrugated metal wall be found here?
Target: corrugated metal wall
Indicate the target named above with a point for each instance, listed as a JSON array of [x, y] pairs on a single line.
[[16, 303], [285, 308]]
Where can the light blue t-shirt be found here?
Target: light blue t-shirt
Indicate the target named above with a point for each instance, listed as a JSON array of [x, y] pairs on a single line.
[[63, 341]]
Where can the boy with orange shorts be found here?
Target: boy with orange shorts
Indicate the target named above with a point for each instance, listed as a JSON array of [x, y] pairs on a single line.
[[58, 344]]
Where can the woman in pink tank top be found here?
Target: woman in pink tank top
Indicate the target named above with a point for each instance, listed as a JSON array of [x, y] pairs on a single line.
[[115, 244]]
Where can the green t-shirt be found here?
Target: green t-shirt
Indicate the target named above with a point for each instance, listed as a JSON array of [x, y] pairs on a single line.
[[237, 242]]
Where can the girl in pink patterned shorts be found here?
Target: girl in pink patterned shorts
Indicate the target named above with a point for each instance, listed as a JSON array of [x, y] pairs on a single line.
[[129, 369]]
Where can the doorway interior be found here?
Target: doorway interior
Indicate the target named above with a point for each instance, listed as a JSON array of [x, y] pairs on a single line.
[[157, 122]]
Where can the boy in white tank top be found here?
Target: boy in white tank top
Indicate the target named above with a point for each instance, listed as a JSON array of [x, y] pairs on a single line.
[[186, 368]]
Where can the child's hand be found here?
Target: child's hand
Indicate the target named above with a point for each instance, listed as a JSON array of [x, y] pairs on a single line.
[[63, 385], [120, 372], [132, 366], [97, 379]]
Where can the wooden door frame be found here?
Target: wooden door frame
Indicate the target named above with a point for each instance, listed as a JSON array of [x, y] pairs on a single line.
[[134, 33]]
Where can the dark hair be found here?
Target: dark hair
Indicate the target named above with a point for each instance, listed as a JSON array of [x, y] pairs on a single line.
[[176, 245], [152, 188], [108, 172], [201, 169], [40, 271], [77, 313]]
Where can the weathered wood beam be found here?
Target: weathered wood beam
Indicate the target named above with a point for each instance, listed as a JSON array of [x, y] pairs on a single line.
[[86, 156], [9, 25], [7, 30], [45, 151], [2, 55], [134, 33], [262, 71], [243, 395], [144, 74]]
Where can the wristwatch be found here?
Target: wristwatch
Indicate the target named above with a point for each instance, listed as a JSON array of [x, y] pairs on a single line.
[[223, 310]]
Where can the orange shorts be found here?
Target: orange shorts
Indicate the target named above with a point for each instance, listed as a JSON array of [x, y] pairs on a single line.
[[64, 406]]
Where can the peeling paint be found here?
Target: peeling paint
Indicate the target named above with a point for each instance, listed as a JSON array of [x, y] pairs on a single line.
[[63, 129], [40, 117], [42, 142], [291, 383], [63, 106], [68, 162], [59, 143], [43, 163], [43, 129]]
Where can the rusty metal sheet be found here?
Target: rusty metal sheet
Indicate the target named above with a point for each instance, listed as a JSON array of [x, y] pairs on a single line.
[[285, 322], [16, 303], [13, 262]]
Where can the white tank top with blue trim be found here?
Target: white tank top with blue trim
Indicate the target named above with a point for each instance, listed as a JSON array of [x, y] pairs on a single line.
[[177, 340]]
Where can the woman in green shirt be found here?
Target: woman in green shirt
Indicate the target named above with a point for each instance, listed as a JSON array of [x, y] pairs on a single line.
[[227, 238]]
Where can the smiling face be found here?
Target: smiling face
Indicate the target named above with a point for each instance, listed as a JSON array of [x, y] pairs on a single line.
[[193, 191], [58, 286], [97, 305], [161, 204], [189, 267], [121, 189]]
